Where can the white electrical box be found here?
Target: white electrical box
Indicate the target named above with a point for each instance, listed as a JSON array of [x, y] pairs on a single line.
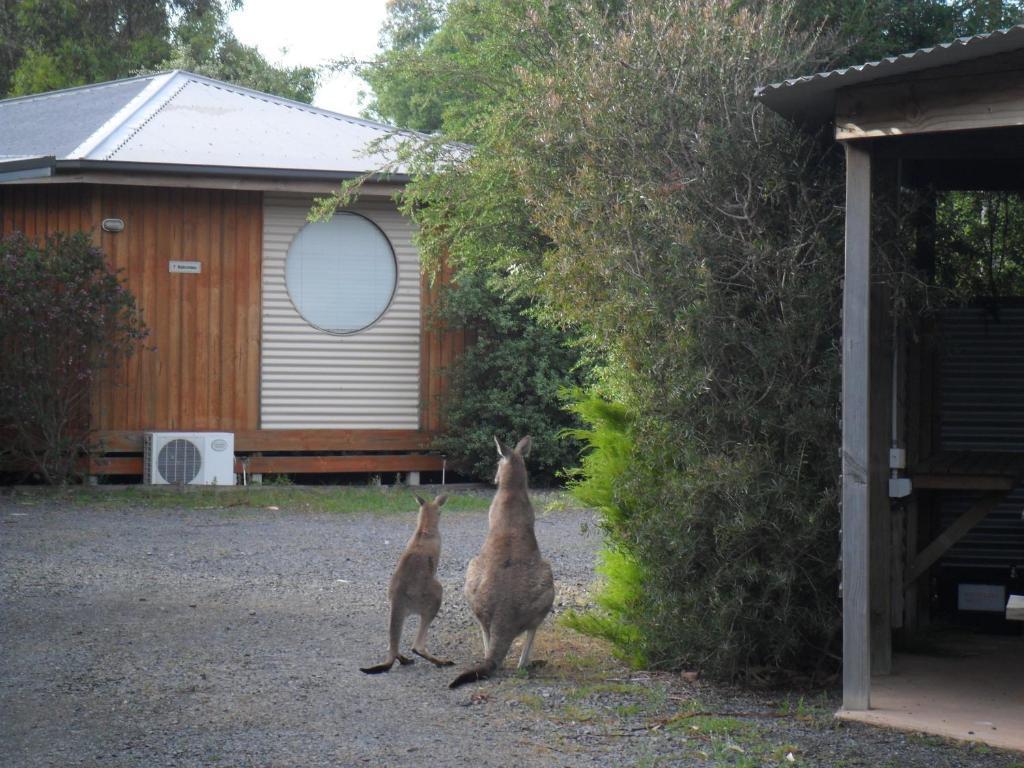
[[900, 487], [897, 458], [189, 458]]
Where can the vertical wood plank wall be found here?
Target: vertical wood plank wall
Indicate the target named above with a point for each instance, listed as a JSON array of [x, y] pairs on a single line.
[[199, 369], [439, 349]]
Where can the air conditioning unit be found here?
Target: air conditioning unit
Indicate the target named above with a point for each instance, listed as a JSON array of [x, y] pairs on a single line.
[[189, 458]]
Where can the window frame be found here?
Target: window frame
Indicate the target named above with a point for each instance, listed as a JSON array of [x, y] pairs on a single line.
[[394, 285]]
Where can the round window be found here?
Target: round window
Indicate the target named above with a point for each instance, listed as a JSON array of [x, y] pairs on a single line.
[[341, 274]]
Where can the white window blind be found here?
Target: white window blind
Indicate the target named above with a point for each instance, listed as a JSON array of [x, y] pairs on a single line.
[[341, 274]]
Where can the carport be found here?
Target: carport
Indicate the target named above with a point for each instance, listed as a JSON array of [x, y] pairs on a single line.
[[933, 412]]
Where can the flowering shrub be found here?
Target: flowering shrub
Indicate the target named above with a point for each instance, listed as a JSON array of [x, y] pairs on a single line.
[[64, 318]]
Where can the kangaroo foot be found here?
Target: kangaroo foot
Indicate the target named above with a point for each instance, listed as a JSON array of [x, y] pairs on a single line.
[[433, 659], [377, 669]]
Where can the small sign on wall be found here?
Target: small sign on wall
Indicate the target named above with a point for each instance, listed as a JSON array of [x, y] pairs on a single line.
[[981, 597], [186, 267]]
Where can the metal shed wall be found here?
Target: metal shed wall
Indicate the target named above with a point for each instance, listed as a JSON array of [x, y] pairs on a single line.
[[316, 380], [982, 409], [982, 372]]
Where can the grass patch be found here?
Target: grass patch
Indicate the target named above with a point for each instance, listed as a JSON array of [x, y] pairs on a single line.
[[714, 725], [577, 714], [531, 701], [286, 498], [594, 689]]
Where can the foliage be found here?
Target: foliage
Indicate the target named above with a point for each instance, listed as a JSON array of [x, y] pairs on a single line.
[[980, 244], [600, 483], [506, 384], [623, 180], [698, 238], [51, 44], [397, 77], [868, 30], [207, 47], [64, 319], [449, 67]]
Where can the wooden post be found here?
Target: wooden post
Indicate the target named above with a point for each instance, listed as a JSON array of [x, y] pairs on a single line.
[[885, 198], [856, 446], [911, 597]]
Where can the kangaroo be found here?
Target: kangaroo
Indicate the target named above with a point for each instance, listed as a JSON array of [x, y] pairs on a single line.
[[415, 588], [508, 585]]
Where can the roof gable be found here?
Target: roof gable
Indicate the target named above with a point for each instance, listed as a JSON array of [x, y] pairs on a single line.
[[179, 118]]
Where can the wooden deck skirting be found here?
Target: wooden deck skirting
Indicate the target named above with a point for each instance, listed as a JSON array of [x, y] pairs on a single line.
[[291, 440], [362, 450], [302, 465]]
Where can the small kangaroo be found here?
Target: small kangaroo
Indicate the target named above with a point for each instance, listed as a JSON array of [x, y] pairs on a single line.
[[508, 585], [415, 588]]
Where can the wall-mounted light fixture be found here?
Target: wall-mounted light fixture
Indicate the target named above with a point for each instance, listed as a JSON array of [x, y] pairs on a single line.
[[113, 225]]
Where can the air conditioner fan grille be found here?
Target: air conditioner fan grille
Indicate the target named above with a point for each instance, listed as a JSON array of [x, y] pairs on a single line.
[[179, 461]]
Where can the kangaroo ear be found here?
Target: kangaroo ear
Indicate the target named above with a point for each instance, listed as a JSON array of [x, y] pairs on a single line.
[[523, 446], [501, 451], [420, 500], [440, 500]]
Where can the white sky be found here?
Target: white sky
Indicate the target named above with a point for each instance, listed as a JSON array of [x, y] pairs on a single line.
[[314, 32]]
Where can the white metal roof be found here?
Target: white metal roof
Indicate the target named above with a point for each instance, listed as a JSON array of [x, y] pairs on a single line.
[[182, 119], [811, 98]]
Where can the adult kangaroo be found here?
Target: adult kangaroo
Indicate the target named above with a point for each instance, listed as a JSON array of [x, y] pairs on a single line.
[[415, 588], [508, 585]]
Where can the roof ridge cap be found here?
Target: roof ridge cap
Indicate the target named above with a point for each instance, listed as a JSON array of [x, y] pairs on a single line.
[[123, 115], [87, 87], [301, 106]]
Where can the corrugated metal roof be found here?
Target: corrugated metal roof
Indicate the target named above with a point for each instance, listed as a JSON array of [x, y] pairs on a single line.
[[56, 123], [179, 118], [811, 99]]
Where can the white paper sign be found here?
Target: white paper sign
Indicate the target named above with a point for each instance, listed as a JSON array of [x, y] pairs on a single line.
[[186, 267], [981, 597]]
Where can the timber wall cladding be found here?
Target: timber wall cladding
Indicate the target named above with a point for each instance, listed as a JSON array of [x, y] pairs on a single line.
[[312, 379], [199, 368]]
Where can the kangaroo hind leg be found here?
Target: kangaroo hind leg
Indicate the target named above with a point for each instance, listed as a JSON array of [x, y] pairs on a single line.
[[524, 658], [485, 636], [398, 615], [420, 646]]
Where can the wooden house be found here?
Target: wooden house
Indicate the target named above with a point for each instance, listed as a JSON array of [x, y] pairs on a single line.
[[308, 341], [923, 425]]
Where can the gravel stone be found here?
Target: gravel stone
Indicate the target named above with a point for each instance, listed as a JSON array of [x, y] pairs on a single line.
[[226, 637]]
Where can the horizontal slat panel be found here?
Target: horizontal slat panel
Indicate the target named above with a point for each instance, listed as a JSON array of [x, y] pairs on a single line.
[[132, 465], [329, 464], [995, 542], [982, 374], [312, 379], [296, 440]]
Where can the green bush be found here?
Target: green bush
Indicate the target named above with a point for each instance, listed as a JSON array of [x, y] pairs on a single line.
[[699, 237], [625, 186], [64, 318], [506, 384], [600, 483]]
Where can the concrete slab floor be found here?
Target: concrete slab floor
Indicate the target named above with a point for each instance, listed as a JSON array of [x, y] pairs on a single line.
[[974, 692]]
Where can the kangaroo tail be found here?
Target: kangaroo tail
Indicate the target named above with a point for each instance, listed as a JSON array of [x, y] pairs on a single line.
[[481, 671], [500, 644]]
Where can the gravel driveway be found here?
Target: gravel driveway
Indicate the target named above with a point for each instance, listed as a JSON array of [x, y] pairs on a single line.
[[226, 637]]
